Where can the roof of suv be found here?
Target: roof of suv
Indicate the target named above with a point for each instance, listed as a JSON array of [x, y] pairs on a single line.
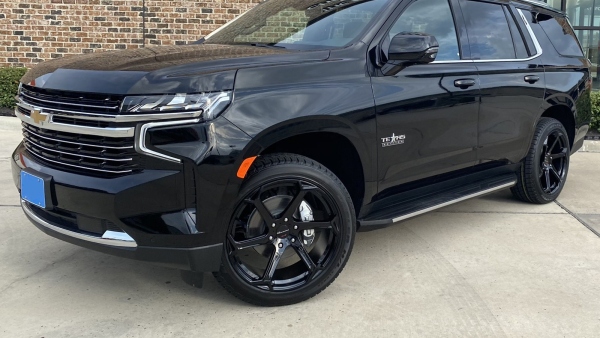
[[541, 4]]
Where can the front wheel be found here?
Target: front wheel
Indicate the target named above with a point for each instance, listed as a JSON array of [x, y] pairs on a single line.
[[291, 233], [544, 170]]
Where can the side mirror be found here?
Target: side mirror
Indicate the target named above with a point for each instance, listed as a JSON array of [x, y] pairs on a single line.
[[410, 48]]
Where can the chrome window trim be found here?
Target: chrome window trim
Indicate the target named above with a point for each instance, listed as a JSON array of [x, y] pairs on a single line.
[[110, 238], [536, 44], [140, 141], [76, 129]]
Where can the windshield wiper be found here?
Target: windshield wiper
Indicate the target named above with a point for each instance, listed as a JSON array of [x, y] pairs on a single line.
[[267, 45]]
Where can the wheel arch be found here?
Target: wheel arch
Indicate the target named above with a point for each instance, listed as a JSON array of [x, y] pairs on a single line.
[[329, 140], [565, 115]]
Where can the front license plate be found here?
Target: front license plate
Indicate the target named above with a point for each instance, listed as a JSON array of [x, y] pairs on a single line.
[[32, 189]]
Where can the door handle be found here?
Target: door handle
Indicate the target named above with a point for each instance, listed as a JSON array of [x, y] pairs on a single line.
[[464, 83], [532, 79]]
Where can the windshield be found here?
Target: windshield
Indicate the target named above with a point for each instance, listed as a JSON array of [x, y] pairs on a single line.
[[299, 24]]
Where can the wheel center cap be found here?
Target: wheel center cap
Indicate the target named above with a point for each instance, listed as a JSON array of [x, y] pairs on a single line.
[[283, 231]]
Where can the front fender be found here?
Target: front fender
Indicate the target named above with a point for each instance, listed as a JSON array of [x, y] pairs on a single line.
[[274, 103]]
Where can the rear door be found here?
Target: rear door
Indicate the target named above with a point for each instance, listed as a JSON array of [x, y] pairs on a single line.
[[427, 114], [511, 76]]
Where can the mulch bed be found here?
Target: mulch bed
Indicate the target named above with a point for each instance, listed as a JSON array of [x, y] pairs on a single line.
[[6, 112]]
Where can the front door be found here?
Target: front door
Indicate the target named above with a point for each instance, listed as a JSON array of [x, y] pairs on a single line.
[[427, 115]]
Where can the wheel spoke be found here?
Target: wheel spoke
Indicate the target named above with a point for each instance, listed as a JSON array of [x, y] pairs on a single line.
[[273, 262], [553, 144], [249, 243], [262, 210], [548, 184], [561, 154], [295, 203], [318, 225], [301, 251], [556, 174]]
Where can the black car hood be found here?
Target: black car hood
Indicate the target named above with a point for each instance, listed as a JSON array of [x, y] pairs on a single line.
[[158, 70]]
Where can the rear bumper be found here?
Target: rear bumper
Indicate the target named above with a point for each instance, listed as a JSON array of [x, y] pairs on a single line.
[[201, 259]]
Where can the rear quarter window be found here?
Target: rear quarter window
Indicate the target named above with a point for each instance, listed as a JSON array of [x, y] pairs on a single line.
[[561, 35]]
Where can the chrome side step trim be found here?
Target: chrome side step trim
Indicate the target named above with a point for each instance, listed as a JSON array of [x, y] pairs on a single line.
[[460, 199], [445, 199], [110, 238]]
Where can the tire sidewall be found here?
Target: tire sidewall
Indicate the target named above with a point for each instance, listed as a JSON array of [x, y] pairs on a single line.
[[328, 183]]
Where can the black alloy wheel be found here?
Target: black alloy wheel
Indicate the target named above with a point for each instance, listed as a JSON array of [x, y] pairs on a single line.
[[545, 168], [553, 162], [290, 234]]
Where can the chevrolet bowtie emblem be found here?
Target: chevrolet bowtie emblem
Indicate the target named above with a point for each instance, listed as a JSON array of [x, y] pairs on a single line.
[[37, 116]]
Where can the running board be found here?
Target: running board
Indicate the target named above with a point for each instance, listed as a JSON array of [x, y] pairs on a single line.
[[410, 208]]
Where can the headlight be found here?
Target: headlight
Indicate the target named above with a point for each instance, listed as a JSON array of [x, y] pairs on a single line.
[[204, 105]]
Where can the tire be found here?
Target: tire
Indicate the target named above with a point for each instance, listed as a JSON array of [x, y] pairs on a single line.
[[290, 234], [544, 170]]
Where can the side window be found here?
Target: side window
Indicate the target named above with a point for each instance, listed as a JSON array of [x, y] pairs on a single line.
[[560, 33], [527, 17], [487, 29], [517, 36], [432, 17]]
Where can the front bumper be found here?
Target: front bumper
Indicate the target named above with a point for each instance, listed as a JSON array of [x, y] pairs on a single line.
[[122, 216], [201, 259]]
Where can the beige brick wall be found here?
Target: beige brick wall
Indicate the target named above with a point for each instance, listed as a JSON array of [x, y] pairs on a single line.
[[32, 31]]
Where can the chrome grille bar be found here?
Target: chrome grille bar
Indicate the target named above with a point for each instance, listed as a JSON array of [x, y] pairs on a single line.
[[67, 103], [76, 143], [106, 132], [80, 155], [107, 117], [80, 167]]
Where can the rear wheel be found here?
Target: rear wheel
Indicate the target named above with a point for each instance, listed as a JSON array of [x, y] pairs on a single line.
[[291, 233], [544, 170]]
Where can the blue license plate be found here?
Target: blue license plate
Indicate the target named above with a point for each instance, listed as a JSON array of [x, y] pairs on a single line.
[[32, 189]]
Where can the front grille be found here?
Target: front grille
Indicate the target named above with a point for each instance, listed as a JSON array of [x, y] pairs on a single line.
[[57, 101], [79, 122], [79, 152], [24, 111]]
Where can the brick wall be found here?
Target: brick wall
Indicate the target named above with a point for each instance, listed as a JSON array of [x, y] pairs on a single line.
[[35, 30]]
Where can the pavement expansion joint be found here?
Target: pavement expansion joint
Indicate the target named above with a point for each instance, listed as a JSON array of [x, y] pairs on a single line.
[[578, 218], [501, 212], [10, 205]]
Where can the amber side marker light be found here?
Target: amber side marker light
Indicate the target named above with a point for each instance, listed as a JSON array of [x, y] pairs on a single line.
[[243, 170]]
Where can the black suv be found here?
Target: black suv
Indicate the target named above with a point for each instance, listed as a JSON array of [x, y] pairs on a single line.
[[258, 152]]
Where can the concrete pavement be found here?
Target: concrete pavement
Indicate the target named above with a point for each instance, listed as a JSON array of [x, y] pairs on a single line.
[[485, 267]]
